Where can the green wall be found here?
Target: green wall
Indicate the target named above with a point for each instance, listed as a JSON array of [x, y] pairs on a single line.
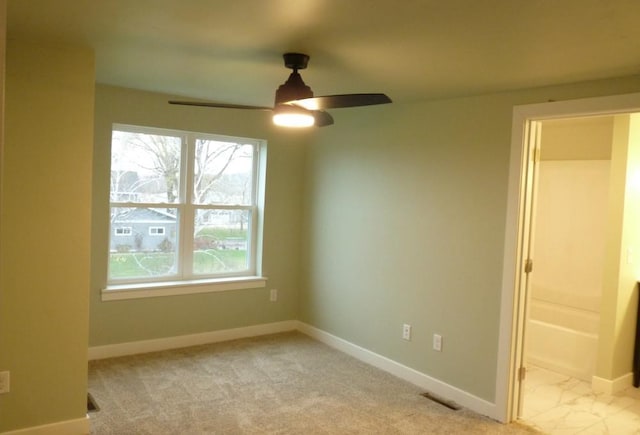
[[149, 318], [45, 232], [405, 223]]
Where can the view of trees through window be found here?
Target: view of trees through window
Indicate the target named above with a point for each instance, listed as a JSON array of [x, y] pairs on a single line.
[[183, 205]]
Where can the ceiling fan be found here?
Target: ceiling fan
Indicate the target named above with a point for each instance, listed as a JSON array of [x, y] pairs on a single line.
[[295, 105]]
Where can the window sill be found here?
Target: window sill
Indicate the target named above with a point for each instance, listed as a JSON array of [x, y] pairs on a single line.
[[172, 288]]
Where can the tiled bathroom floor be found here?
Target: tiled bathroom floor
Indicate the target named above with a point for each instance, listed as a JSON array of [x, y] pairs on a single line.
[[558, 404]]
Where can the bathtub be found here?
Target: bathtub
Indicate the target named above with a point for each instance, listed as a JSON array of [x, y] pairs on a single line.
[[562, 338]]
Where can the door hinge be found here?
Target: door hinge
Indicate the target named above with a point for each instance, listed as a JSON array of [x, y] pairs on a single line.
[[536, 154], [522, 373], [528, 266]]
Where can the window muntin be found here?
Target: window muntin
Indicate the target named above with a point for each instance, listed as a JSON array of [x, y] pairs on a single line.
[[189, 201]]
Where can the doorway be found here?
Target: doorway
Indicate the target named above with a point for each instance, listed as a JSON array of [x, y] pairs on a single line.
[[569, 229], [568, 238], [518, 247]]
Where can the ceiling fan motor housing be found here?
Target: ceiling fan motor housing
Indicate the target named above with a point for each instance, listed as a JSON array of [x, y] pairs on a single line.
[[293, 89], [295, 61]]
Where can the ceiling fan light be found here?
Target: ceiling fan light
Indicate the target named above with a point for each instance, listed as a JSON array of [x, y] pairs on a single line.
[[290, 116]]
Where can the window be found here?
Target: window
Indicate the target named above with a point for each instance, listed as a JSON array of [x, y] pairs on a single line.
[[184, 206], [122, 231], [156, 231]]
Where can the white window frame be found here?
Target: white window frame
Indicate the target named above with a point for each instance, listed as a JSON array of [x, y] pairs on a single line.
[[157, 231], [183, 281]]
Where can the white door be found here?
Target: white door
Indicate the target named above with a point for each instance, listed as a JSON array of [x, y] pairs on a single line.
[[532, 147]]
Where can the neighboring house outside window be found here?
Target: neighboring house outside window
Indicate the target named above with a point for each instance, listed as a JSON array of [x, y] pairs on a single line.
[[184, 206], [144, 222]]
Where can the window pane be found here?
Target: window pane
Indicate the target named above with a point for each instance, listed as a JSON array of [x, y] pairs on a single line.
[[220, 242], [222, 173], [145, 167], [137, 252]]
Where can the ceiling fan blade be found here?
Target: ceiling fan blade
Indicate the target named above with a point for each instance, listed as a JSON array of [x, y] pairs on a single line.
[[339, 101], [322, 118], [220, 105]]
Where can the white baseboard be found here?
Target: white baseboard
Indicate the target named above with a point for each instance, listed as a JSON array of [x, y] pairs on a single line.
[[607, 386], [78, 426], [415, 377], [553, 366], [144, 346]]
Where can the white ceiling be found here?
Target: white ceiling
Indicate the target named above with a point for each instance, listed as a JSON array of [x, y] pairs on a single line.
[[230, 50]]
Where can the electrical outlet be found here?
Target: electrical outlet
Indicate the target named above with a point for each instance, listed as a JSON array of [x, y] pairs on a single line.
[[273, 296], [437, 342], [5, 382], [406, 332]]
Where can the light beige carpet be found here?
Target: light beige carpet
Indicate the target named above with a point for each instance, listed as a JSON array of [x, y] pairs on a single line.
[[278, 384]]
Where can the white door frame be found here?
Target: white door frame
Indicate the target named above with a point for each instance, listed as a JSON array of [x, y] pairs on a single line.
[[513, 295]]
